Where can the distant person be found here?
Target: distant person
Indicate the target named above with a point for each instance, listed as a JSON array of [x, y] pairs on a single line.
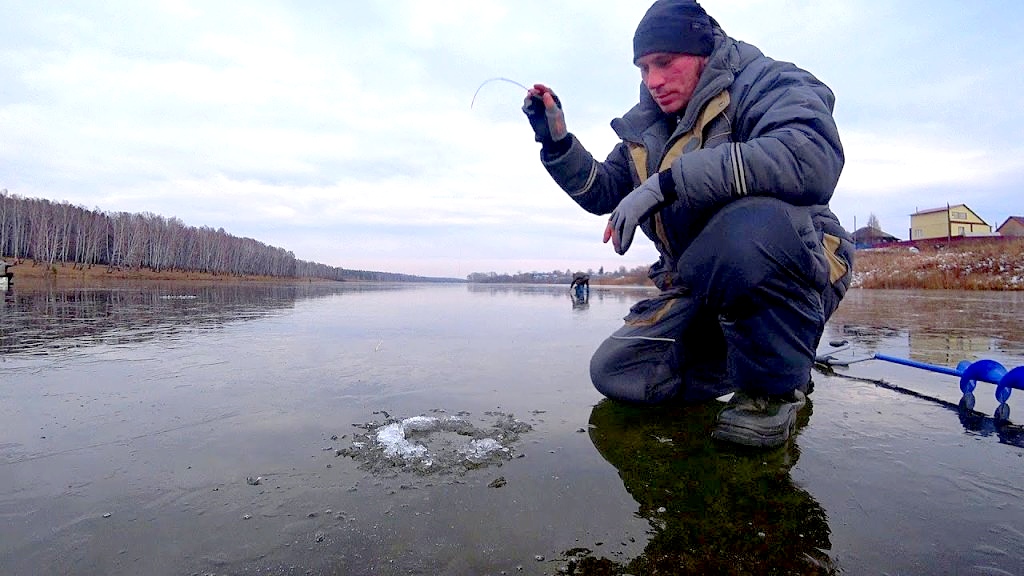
[[580, 280], [727, 164], [579, 290]]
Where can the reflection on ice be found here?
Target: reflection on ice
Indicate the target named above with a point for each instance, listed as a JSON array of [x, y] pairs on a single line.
[[43, 322]]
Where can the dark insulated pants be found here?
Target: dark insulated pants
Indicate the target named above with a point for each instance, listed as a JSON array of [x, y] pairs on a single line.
[[748, 313]]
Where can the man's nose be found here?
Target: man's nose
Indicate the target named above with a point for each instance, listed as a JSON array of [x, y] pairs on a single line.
[[654, 79]]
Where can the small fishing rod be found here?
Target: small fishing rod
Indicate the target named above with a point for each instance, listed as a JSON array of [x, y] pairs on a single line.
[[495, 79], [970, 373]]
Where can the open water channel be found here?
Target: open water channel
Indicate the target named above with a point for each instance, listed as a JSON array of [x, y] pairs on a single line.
[[452, 429]]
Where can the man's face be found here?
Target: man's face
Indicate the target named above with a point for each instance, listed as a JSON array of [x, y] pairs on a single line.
[[671, 78]]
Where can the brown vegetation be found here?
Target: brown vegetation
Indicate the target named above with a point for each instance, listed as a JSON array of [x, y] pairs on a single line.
[[993, 264], [635, 277], [32, 272]]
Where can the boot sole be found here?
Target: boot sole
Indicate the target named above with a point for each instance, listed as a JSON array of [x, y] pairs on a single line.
[[760, 437]]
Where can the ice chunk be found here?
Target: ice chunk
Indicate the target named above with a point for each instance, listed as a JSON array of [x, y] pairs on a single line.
[[419, 424], [480, 448], [392, 437]]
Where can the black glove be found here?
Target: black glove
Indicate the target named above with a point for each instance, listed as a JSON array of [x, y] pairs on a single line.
[[548, 125]]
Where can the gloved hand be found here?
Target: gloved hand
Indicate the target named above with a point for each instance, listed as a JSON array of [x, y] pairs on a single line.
[[544, 110], [635, 207]]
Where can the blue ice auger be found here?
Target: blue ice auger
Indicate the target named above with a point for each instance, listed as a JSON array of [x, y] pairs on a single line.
[[970, 373]]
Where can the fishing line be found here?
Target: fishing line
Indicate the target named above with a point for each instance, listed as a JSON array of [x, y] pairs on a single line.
[[970, 373], [495, 79], [1006, 431]]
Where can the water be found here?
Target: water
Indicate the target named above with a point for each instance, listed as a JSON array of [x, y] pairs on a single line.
[[181, 430]]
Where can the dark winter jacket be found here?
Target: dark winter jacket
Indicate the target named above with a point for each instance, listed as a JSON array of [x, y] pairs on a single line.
[[754, 127]]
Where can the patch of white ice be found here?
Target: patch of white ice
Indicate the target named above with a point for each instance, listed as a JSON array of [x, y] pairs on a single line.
[[480, 448], [392, 437]]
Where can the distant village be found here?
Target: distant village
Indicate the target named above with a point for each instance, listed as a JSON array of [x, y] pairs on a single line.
[[948, 223]]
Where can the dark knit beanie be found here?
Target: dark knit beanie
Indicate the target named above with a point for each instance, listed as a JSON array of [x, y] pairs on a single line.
[[676, 26]]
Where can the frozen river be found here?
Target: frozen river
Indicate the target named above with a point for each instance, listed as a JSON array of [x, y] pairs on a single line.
[[452, 429]]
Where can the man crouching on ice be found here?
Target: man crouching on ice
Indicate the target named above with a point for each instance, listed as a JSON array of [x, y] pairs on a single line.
[[727, 164]]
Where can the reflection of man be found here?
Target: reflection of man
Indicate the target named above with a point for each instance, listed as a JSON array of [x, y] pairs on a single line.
[[711, 512]]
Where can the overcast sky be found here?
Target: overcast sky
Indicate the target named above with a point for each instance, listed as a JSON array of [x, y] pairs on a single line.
[[343, 131]]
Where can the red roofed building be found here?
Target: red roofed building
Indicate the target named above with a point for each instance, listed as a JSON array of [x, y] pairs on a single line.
[[1014, 226]]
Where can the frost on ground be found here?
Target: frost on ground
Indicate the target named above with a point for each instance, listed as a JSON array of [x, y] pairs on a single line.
[[436, 444]]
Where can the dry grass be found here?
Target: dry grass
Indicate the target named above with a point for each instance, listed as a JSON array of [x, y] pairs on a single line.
[[964, 265], [31, 272]]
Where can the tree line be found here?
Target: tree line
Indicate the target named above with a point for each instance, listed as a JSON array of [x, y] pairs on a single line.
[[50, 232], [637, 275]]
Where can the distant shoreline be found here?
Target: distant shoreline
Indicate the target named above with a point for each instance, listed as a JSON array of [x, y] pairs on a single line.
[[976, 265], [33, 273]]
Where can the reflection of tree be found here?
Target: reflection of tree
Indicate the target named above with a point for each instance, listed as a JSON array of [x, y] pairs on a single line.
[[34, 320], [712, 509], [968, 314], [947, 348]]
